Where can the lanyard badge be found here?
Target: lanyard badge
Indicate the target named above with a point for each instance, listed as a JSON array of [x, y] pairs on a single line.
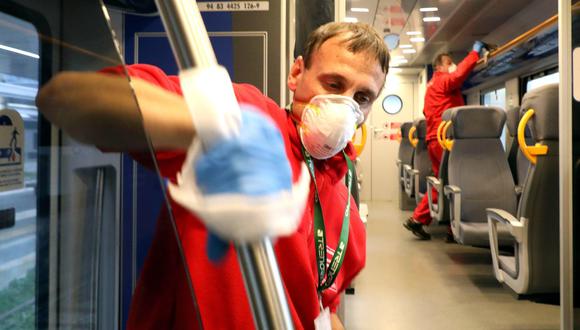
[[327, 275]]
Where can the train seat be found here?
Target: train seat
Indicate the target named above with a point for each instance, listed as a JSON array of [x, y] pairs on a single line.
[[408, 182], [405, 157], [519, 164], [534, 267], [440, 211], [421, 163], [479, 175]]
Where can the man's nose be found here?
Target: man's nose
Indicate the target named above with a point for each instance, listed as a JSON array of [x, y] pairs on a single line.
[[350, 93]]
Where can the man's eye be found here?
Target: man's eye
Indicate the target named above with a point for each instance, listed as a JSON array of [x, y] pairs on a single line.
[[362, 99], [334, 85]]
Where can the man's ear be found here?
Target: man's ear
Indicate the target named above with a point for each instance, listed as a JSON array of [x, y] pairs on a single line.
[[295, 74]]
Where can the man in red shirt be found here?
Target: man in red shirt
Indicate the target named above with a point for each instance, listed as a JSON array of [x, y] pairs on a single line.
[[349, 60], [443, 92]]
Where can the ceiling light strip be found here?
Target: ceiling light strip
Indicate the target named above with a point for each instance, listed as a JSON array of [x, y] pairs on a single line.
[[359, 10]]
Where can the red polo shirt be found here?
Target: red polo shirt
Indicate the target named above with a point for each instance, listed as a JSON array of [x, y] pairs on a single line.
[[162, 300]]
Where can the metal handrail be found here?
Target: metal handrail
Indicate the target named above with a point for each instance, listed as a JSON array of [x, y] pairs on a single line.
[[526, 35], [191, 47]]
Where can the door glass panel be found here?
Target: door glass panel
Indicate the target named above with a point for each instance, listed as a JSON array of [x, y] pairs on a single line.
[[19, 77], [69, 227]]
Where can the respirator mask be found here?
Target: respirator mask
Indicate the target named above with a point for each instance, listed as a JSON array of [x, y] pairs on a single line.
[[452, 68], [328, 122]]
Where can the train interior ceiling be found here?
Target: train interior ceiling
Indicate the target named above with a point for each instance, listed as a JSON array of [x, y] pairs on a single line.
[[77, 221]]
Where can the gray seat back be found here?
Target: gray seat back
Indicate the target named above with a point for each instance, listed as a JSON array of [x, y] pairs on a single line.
[[405, 157], [477, 163], [405, 148], [443, 169], [539, 202], [421, 160]]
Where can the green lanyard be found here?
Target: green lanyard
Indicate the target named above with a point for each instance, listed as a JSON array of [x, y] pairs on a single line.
[[320, 231]]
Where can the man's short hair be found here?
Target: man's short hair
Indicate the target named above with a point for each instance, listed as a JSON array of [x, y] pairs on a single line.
[[439, 59], [362, 37]]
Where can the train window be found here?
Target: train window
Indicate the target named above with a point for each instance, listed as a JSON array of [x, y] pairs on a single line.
[[496, 98], [19, 79], [392, 104], [542, 80]]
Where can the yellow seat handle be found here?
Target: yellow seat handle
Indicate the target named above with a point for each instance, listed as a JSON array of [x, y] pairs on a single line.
[[531, 152], [447, 143], [439, 137], [413, 141], [359, 147]]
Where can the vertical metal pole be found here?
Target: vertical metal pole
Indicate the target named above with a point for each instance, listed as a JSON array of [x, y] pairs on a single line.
[[264, 285], [192, 48], [565, 124]]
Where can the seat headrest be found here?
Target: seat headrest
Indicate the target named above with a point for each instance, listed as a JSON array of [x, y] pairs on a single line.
[[405, 127], [544, 101], [447, 114], [512, 120], [477, 122], [421, 125]]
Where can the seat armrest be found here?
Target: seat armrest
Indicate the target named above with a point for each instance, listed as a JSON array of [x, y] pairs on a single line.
[[451, 190], [416, 178], [400, 170], [501, 216], [453, 193], [516, 228], [408, 179], [434, 208], [493, 217], [433, 181]]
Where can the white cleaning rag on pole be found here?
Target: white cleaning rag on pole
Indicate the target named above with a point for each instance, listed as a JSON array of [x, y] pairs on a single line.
[[245, 190]]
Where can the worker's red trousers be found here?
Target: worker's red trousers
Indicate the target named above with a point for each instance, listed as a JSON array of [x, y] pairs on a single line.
[[421, 212]]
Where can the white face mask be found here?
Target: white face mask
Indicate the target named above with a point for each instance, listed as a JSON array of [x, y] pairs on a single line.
[[452, 68], [328, 123]]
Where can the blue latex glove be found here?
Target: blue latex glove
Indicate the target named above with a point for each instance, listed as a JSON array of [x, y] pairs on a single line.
[[253, 164], [478, 46]]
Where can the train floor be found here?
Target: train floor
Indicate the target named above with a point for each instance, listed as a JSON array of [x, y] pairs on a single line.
[[413, 284]]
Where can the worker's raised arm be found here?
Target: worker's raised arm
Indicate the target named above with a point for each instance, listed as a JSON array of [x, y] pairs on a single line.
[[454, 80], [107, 111]]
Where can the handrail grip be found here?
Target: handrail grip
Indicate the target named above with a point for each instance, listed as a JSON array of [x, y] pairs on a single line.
[[447, 142], [411, 139], [531, 152], [359, 147], [439, 129]]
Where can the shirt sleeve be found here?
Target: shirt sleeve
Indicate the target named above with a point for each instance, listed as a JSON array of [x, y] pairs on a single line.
[[149, 73], [169, 161], [454, 80]]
